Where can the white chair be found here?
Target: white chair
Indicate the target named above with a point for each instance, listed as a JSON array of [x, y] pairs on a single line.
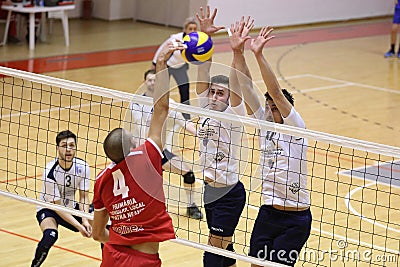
[[51, 15]]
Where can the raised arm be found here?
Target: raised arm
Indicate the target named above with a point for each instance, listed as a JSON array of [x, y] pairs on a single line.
[[273, 87], [161, 94], [203, 77], [240, 74], [206, 22], [159, 49]]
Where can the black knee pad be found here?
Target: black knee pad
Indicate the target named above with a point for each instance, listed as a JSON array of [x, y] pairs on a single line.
[[189, 178], [215, 260], [50, 237]]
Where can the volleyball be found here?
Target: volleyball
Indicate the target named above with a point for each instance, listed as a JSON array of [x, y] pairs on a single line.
[[199, 47]]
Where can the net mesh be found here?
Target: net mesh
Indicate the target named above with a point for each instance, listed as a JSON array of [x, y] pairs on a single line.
[[353, 185]]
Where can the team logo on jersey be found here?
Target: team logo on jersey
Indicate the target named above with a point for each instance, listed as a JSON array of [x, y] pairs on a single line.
[[79, 170], [271, 152], [206, 132], [219, 156], [127, 229], [294, 187]]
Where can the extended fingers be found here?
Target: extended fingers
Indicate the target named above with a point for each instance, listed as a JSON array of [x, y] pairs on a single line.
[[268, 30], [213, 14], [198, 17], [249, 23], [241, 26], [265, 31], [177, 45], [202, 12]]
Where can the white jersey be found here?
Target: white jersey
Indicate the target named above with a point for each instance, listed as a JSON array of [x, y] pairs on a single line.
[[176, 60], [60, 184], [283, 160], [220, 144], [141, 119]]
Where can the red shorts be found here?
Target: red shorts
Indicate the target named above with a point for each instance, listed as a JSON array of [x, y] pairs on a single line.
[[121, 256]]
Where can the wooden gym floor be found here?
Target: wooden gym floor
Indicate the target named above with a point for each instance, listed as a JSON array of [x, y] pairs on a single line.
[[340, 80]]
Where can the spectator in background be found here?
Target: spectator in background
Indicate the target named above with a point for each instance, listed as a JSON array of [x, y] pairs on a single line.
[[177, 66], [393, 34]]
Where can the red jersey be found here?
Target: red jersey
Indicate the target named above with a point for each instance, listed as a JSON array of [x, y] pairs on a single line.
[[132, 192]]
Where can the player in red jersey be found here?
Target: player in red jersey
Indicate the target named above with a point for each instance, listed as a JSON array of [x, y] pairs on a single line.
[[130, 190]]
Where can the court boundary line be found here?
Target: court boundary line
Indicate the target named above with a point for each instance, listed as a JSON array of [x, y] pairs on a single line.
[[355, 83], [355, 212], [347, 198], [56, 246], [22, 113], [341, 83], [340, 237]]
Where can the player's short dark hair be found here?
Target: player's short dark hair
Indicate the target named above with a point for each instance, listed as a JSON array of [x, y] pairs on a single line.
[[151, 71], [220, 79], [285, 92], [64, 134], [117, 145]]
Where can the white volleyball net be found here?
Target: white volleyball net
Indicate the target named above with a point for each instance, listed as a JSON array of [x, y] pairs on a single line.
[[354, 185]]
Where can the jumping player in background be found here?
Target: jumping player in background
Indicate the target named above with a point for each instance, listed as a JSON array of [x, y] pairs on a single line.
[[130, 190], [140, 117], [177, 66], [393, 33], [224, 194], [284, 220], [61, 179]]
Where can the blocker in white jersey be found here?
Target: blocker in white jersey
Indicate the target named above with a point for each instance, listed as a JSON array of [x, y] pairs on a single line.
[[283, 222], [283, 160], [224, 194], [220, 144]]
